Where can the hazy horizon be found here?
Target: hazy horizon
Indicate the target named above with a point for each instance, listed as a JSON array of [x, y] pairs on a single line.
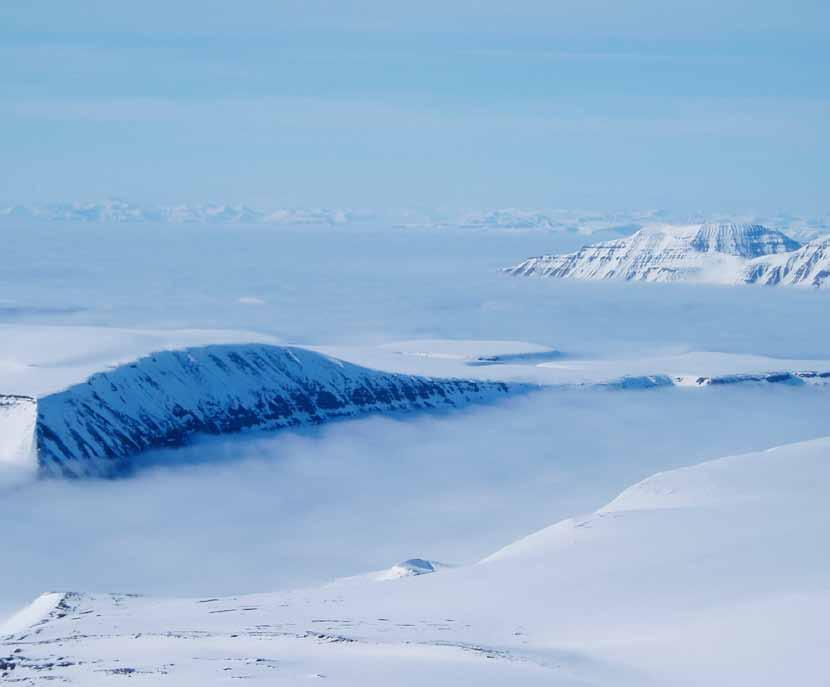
[[712, 108]]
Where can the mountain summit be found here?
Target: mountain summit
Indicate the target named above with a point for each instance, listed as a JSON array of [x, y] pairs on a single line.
[[709, 253], [746, 240]]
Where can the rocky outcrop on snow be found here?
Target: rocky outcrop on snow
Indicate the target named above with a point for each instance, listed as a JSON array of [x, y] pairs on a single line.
[[708, 253], [411, 567], [807, 266], [794, 378], [163, 399]]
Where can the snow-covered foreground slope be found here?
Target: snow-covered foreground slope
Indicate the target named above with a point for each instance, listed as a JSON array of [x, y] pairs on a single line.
[[709, 253], [164, 398], [712, 574]]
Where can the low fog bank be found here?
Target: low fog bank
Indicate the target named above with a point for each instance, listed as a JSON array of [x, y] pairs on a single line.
[[347, 285], [269, 511]]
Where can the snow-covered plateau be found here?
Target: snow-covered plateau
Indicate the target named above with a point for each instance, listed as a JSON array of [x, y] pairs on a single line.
[[707, 253], [709, 574]]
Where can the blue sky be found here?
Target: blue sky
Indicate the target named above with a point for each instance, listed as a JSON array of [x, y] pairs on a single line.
[[709, 105]]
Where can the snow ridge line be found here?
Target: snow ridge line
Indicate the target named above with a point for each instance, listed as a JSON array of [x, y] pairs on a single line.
[[92, 429]]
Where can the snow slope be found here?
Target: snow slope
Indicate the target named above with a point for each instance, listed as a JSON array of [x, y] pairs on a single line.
[[704, 575], [473, 352], [36, 360], [514, 361], [18, 418], [709, 253]]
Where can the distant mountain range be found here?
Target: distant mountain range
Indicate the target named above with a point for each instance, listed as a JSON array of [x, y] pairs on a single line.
[[118, 211], [580, 222], [707, 253], [590, 222], [567, 221]]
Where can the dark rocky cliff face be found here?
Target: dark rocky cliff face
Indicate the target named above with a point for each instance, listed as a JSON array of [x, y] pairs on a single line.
[[161, 400]]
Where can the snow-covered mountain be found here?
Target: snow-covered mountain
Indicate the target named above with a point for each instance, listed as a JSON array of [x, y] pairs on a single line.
[[119, 211], [84, 401], [807, 266], [705, 575], [163, 399], [744, 240], [710, 253]]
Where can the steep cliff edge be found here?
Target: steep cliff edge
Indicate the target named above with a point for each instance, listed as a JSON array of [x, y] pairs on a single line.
[[161, 400], [18, 418]]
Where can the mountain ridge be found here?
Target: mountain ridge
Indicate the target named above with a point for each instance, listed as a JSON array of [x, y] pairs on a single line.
[[718, 253], [118, 211], [163, 399]]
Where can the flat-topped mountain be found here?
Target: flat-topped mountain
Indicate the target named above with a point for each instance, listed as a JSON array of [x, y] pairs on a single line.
[[745, 240], [706, 253]]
